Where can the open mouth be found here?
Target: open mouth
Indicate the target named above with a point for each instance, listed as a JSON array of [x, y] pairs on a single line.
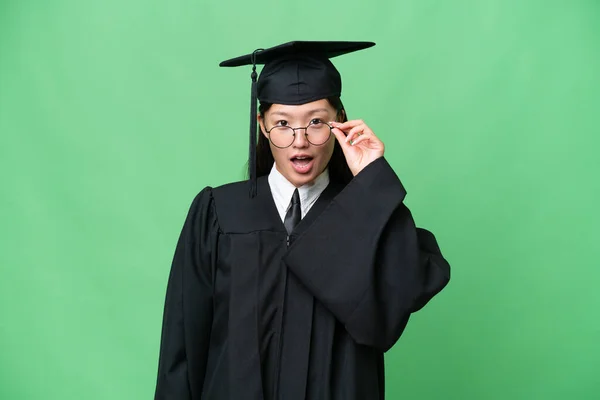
[[301, 160], [302, 164]]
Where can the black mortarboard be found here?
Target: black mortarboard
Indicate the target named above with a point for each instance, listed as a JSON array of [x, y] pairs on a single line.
[[294, 73]]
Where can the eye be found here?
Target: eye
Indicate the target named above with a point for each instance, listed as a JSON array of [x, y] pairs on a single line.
[[316, 121], [282, 122]]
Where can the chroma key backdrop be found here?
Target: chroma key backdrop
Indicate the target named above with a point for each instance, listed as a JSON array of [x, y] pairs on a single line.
[[115, 114]]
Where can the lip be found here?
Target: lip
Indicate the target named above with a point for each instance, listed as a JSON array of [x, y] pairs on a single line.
[[303, 169], [300, 155]]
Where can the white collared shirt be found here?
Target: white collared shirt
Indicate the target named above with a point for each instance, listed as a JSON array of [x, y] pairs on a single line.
[[283, 190]]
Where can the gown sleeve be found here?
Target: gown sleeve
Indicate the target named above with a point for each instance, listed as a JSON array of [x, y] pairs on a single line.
[[366, 262], [187, 317]]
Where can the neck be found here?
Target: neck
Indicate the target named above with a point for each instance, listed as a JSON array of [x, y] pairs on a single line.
[[299, 185]]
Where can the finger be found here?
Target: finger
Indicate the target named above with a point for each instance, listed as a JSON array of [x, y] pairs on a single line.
[[372, 141], [354, 131], [341, 138], [360, 139], [344, 126]]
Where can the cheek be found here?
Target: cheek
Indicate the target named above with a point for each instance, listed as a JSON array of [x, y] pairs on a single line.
[[326, 152], [330, 147], [277, 152]]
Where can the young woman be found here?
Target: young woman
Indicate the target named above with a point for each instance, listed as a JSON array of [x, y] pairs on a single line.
[[296, 290]]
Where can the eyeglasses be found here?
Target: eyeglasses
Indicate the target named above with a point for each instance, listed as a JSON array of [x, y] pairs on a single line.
[[317, 133]]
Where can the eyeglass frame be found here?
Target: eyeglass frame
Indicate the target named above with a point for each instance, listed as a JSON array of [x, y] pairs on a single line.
[[268, 131]]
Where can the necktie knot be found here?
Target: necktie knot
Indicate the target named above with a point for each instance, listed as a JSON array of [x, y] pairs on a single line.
[[296, 197], [294, 213]]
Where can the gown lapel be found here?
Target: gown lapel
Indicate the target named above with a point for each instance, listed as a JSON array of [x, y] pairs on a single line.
[[245, 330], [297, 316], [294, 319]]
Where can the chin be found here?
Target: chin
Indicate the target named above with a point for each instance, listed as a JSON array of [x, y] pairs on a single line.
[[303, 179], [298, 178]]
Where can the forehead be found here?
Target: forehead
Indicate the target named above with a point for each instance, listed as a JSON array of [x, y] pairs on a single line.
[[320, 106]]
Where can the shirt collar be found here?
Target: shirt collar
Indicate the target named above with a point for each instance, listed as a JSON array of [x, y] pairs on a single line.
[[282, 190]]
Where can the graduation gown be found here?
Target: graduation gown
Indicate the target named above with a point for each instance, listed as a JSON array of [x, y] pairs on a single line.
[[254, 313]]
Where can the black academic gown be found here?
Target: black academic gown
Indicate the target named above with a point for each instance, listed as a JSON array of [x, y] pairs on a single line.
[[252, 313]]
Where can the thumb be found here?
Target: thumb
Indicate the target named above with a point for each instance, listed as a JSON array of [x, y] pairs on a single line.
[[341, 138]]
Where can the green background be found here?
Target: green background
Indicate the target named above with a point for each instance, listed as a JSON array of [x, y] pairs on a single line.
[[114, 114]]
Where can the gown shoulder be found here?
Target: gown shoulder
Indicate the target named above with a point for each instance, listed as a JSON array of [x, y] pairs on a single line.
[[239, 213]]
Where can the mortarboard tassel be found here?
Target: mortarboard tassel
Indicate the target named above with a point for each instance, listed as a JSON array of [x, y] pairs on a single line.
[[253, 126]]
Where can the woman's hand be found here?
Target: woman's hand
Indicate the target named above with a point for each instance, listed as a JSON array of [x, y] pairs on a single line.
[[359, 144]]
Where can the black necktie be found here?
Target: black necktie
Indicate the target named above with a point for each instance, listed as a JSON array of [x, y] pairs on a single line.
[[293, 214]]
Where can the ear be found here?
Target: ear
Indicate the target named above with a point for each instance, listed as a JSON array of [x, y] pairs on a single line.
[[341, 117], [261, 124]]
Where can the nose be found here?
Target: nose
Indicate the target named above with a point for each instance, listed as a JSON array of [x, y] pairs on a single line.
[[300, 140]]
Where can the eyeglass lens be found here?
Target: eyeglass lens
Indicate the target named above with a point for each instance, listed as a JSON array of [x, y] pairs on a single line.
[[283, 136]]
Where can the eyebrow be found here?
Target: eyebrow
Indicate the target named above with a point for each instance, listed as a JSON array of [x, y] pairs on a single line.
[[309, 112]]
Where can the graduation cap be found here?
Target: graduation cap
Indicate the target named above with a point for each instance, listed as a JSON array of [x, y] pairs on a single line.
[[294, 73]]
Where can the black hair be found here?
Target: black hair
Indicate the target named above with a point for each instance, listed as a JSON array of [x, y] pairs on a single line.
[[339, 171]]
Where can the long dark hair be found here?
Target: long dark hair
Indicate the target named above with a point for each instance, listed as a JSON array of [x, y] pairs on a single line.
[[338, 168]]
